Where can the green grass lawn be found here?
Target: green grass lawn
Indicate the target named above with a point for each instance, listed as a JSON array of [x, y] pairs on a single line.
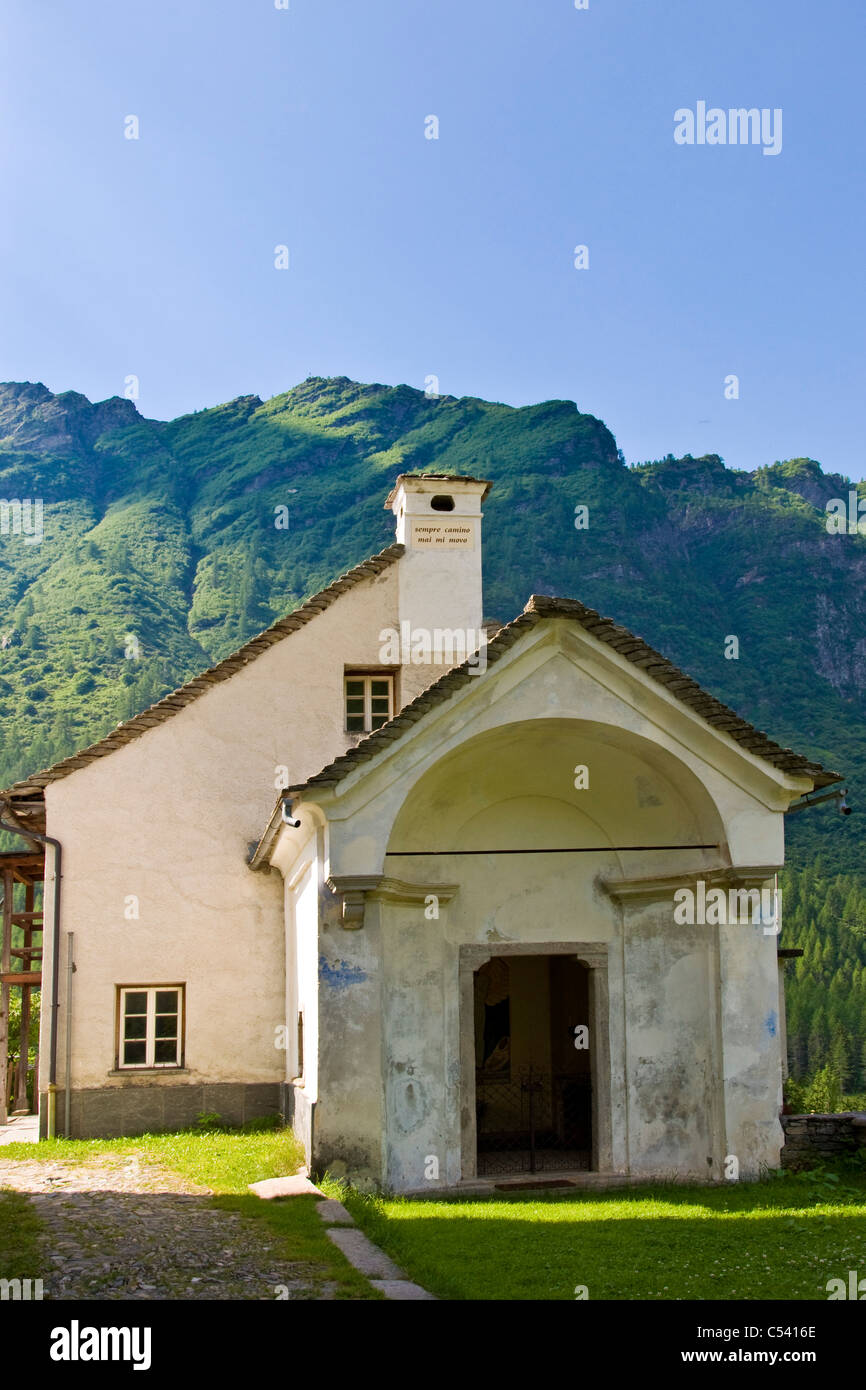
[[782, 1238], [19, 1238], [225, 1161]]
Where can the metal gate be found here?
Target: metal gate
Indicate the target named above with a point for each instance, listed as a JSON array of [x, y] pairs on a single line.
[[535, 1122]]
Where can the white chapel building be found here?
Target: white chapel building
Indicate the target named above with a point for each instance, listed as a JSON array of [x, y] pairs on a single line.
[[456, 900]]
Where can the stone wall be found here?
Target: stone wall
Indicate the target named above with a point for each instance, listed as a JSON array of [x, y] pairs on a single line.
[[117, 1111], [812, 1139]]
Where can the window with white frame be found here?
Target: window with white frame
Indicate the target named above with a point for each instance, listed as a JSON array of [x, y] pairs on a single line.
[[150, 1026], [369, 701]]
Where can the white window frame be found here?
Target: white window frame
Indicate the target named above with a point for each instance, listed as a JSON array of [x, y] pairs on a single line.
[[150, 1039], [367, 677]]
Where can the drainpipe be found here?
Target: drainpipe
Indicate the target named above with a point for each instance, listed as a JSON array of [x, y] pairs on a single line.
[[70, 971], [27, 834]]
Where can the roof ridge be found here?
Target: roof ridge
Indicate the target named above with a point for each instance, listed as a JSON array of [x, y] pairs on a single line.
[[633, 648]]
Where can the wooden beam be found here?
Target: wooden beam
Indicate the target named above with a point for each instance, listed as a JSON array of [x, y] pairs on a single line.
[[5, 962], [19, 1100], [20, 977], [30, 860]]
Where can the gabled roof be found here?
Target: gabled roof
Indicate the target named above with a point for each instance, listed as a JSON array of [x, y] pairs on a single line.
[[633, 648], [178, 699]]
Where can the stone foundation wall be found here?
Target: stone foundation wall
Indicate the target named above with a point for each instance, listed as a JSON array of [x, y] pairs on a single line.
[[811, 1139], [113, 1112]]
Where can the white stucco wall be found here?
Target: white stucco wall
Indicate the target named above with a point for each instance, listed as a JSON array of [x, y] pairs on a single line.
[[168, 821], [693, 1059]]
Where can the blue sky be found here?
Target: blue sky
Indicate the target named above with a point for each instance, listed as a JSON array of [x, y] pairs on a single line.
[[412, 257]]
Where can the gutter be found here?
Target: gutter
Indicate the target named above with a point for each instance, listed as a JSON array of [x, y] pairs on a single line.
[[27, 834], [817, 795], [282, 814]]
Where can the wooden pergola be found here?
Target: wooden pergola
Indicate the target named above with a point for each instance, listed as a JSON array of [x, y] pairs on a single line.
[[20, 966]]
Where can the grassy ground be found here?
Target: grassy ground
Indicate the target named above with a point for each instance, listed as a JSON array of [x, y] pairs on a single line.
[[778, 1239], [225, 1161], [782, 1238], [19, 1238]]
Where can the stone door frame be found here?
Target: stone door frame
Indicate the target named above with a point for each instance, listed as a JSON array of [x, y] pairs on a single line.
[[594, 955]]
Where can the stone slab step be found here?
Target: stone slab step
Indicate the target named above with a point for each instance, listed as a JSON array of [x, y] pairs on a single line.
[[334, 1213], [402, 1290], [364, 1255], [297, 1186]]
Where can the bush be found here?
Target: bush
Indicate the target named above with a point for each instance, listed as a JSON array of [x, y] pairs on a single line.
[[209, 1120], [823, 1094], [820, 1094], [795, 1095]]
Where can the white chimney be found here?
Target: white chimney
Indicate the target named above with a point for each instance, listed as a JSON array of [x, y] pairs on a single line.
[[439, 523]]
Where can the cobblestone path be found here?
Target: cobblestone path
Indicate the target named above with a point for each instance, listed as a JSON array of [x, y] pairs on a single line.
[[117, 1227]]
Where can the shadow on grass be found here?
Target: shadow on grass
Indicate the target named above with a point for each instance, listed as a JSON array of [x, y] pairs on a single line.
[[220, 1161], [20, 1227], [112, 1245], [295, 1222]]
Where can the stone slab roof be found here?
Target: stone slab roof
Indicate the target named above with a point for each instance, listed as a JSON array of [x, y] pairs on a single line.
[[633, 648]]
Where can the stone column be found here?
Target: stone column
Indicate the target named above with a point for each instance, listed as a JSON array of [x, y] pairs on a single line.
[[751, 1047], [599, 1057], [348, 1131], [361, 1083], [471, 959]]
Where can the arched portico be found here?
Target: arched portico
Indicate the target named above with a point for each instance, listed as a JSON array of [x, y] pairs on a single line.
[[550, 812], [528, 822]]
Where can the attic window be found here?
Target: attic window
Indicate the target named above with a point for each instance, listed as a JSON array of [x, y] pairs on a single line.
[[369, 701], [442, 502]]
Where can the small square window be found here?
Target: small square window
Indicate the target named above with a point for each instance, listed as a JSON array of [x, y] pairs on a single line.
[[150, 1031], [369, 702]]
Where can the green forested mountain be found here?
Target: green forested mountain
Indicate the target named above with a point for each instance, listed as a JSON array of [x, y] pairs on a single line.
[[160, 542], [825, 916]]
